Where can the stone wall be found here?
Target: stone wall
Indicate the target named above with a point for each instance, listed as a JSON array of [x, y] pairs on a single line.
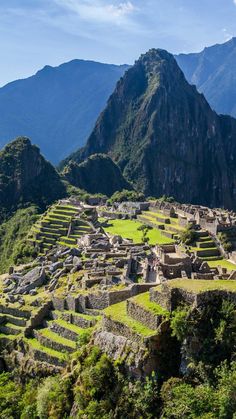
[[52, 344], [143, 315], [37, 319], [62, 331], [120, 329], [49, 359], [16, 312], [170, 298]]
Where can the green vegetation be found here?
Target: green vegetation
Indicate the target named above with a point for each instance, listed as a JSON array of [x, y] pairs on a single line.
[[224, 239], [223, 263], [57, 338], [14, 247], [212, 328], [188, 236], [144, 229], [210, 399], [129, 229], [26, 178], [126, 195], [198, 286], [52, 227], [118, 313], [144, 301], [93, 173], [35, 344]]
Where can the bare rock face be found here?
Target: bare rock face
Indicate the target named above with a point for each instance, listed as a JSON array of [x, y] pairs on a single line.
[[32, 280], [165, 137]]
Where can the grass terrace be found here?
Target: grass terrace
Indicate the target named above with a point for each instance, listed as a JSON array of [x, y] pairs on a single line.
[[128, 229], [198, 286], [223, 263], [117, 312], [58, 339], [143, 300], [53, 227], [35, 344]]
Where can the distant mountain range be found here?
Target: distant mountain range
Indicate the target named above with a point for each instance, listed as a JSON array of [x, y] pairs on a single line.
[[213, 71], [57, 107], [165, 137]]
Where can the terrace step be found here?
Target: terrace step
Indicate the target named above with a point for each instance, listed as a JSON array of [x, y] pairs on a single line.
[[206, 244], [43, 354], [79, 319], [52, 340], [65, 329], [7, 318], [16, 312], [10, 329], [46, 239], [117, 321], [210, 252], [211, 258]]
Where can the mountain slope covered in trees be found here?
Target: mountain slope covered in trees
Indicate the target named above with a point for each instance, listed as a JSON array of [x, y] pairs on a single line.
[[165, 137]]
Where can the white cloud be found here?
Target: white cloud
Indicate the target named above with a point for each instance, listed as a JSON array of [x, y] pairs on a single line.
[[98, 10], [226, 33]]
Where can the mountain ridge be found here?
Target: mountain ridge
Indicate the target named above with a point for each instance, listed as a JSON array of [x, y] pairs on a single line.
[[164, 134], [57, 106], [213, 72]]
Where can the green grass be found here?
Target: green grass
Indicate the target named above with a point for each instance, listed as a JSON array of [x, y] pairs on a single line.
[[199, 286], [118, 313], [10, 337], [56, 338], [69, 326], [223, 263], [128, 229], [143, 300], [35, 344]]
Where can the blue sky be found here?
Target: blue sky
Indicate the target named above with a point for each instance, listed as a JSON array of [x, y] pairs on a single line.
[[34, 33]]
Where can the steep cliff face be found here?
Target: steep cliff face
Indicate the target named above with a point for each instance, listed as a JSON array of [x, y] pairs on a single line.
[[97, 174], [26, 177], [165, 137]]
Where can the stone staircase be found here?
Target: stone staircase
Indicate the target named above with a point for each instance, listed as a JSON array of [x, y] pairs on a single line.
[[206, 246]]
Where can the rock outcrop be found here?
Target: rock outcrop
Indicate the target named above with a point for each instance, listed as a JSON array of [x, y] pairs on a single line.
[[165, 137], [97, 174], [26, 177]]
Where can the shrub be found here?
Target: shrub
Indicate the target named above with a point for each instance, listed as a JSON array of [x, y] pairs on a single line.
[[188, 236]]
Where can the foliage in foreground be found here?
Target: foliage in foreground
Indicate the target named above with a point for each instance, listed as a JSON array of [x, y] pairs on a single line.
[[98, 389]]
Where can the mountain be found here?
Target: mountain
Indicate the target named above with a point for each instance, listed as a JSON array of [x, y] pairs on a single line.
[[58, 106], [97, 174], [165, 137], [26, 177], [213, 71]]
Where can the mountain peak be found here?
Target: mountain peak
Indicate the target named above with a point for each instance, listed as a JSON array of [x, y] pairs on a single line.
[[26, 177], [156, 125]]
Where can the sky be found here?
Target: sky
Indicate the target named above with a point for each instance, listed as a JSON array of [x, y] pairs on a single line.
[[35, 33]]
